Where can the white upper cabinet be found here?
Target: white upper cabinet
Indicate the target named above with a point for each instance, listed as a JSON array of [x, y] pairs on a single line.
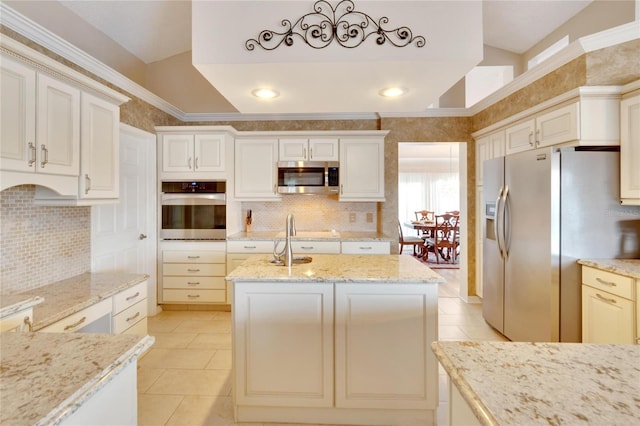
[[313, 149], [362, 169], [488, 147], [520, 137], [100, 152], [255, 169], [59, 130], [190, 154], [630, 149], [17, 116]]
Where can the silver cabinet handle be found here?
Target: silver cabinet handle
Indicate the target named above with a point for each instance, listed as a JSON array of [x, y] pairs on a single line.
[[307, 247], [531, 138], [537, 136], [28, 324], [133, 297], [250, 247], [45, 155], [32, 149], [193, 270], [193, 257], [609, 283], [310, 153], [133, 317], [304, 153], [605, 298], [341, 189], [365, 248], [142, 237], [75, 324], [87, 182], [196, 163], [189, 162], [193, 296], [193, 283]]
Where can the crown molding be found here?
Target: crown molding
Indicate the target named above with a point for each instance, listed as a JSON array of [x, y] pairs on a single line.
[[207, 117], [429, 113]]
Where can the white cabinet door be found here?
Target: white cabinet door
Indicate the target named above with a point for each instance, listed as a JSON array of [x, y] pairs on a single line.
[[557, 126], [255, 169], [606, 317], [520, 137], [313, 149], [383, 356], [17, 116], [293, 149], [479, 240], [177, 153], [362, 169], [283, 344], [323, 149], [100, 164], [209, 153], [58, 127], [630, 150], [483, 152]]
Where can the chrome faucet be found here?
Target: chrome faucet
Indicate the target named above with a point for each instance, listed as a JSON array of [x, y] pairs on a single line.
[[286, 255]]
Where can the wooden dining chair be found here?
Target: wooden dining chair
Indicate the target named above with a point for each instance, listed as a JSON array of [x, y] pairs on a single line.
[[445, 242], [424, 216], [409, 241]]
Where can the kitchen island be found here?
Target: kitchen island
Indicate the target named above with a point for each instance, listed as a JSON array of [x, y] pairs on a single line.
[[344, 339], [514, 383]]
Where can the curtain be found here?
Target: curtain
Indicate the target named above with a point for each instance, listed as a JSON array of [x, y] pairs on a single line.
[[438, 192]]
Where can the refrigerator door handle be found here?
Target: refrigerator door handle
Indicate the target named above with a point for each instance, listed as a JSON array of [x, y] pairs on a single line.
[[506, 224], [497, 222]]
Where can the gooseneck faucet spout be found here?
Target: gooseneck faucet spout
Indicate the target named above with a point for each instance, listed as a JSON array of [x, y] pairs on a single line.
[[286, 255]]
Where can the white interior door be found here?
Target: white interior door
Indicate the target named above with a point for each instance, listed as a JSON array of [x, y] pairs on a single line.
[[123, 235]]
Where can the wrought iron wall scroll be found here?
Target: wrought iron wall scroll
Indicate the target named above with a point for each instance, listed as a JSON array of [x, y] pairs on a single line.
[[348, 27]]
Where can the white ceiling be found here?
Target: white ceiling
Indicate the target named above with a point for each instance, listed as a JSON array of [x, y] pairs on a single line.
[[154, 30]]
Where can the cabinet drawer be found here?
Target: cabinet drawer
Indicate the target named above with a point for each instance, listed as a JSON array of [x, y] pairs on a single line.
[[129, 317], [249, 246], [131, 296], [327, 247], [606, 281], [139, 328], [365, 247], [200, 283], [81, 319], [193, 296], [177, 256], [202, 269]]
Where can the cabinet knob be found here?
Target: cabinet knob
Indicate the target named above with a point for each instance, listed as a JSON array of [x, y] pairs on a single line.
[[142, 237]]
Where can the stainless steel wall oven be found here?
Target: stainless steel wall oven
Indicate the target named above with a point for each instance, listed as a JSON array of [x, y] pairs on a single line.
[[194, 210]]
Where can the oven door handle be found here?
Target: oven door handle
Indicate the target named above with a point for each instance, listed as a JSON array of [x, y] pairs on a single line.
[[193, 200]]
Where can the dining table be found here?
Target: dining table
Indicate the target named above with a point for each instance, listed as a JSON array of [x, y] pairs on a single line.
[[427, 228]]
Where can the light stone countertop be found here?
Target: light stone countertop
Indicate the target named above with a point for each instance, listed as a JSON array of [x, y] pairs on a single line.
[[12, 303], [66, 297], [45, 377], [626, 267], [514, 383], [337, 268], [310, 235]]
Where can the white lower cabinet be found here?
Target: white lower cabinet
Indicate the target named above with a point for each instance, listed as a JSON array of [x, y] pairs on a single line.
[[365, 247], [383, 335], [607, 307], [20, 321], [459, 412], [130, 310], [338, 353], [93, 319], [193, 273], [285, 345], [116, 403]]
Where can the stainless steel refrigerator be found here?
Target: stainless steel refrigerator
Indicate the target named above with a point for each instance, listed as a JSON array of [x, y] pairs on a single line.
[[543, 210]]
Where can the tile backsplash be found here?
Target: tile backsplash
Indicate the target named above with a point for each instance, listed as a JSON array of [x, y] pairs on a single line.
[[40, 244], [313, 213]]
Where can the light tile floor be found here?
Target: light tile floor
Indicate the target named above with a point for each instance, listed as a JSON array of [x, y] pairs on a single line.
[[185, 378]]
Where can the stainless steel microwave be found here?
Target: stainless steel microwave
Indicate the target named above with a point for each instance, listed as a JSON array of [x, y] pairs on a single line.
[[308, 177]]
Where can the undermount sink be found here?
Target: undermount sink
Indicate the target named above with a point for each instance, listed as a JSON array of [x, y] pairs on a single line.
[[297, 260]]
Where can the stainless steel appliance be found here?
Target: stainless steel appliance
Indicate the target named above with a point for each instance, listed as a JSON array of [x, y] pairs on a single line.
[[193, 210], [308, 177], [544, 210]]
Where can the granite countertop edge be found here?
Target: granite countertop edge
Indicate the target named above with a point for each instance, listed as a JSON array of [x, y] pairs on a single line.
[[478, 408], [22, 304], [84, 393], [626, 267], [343, 236]]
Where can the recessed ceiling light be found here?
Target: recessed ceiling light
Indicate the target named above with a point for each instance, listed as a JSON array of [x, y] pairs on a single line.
[[265, 93], [393, 92]]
